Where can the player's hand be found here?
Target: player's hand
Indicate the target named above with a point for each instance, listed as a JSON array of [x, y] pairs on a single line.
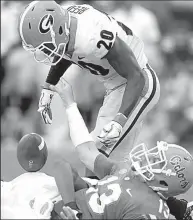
[[111, 132], [44, 105], [64, 89], [68, 213]]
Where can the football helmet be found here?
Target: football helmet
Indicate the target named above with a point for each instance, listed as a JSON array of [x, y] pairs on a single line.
[[44, 30], [166, 168]]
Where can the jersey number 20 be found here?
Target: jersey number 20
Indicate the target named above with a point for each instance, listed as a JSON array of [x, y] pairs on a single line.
[[106, 35]]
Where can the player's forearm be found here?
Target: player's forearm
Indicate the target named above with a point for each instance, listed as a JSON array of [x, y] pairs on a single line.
[[133, 92], [57, 71], [82, 140]]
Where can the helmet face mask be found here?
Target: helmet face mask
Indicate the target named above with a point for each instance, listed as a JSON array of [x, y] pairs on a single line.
[[147, 162], [47, 51], [40, 34]]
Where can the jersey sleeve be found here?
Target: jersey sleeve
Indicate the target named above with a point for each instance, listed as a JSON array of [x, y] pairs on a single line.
[[103, 166], [104, 36], [100, 33]]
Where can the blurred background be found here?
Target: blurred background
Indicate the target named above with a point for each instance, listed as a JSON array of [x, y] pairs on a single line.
[[166, 27]]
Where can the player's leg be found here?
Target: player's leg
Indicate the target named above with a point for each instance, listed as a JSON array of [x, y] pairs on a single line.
[[133, 125]]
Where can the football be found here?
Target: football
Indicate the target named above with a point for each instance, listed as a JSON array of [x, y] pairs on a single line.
[[32, 152]]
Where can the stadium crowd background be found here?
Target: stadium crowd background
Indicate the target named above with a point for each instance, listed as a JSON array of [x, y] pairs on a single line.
[[166, 27]]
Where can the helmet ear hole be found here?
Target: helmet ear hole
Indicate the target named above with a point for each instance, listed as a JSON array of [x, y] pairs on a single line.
[[163, 183], [49, 9], [60, 30]]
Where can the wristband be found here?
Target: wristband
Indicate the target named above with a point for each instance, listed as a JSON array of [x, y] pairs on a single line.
[[78, 130], [121, 119]]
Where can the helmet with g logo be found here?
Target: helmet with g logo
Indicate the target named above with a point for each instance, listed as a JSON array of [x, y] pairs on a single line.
[[166, 168], [44, 30]]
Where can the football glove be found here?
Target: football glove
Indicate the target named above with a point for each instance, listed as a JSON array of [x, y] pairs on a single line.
[[111, 132], [44, 105]]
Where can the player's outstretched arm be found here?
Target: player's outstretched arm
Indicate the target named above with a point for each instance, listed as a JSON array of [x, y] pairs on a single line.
[[122, 59], [53, 77], [82, 140], [80, 136]]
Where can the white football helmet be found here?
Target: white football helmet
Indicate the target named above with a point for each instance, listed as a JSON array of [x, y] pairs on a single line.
[[44, 30], [166, 168]]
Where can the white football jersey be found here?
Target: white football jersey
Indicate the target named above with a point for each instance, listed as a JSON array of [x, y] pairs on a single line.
[[28, 192], [92, 35]]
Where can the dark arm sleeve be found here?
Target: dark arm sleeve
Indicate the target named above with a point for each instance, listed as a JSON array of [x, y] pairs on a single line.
[[177, 207], [103, 166], [57, 71]]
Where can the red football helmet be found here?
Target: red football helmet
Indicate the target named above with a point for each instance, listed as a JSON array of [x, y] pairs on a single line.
[[44, 30], [166, 168]]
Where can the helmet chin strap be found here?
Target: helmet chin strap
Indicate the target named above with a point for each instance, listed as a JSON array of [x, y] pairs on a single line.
[[158, 191], [162, 196], [136, 174]]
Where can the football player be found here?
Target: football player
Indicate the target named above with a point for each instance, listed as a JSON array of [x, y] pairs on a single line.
[[96, 42], [153, 175], [34, 194]]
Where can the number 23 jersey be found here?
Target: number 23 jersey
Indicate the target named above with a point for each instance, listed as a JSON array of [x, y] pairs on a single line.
[[117, 196], [92, 35]]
